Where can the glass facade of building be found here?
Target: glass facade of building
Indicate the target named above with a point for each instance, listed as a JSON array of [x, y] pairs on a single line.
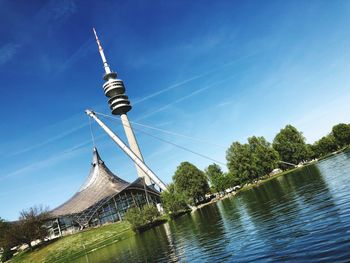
[[103, 198], [111, 211], [115, 209]]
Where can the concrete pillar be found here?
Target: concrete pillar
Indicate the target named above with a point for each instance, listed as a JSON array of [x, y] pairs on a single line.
[[134, 145], [59, 227]]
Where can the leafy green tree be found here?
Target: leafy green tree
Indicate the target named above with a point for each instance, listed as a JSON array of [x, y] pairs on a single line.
[[139, 218], [173, 201], [191, 181], [325, 145], [3, 228], [150, 213], [135, 217], [291, 146], [231, 180], [341, 133], [247, 162], [311, 151], [29, 227], [216, 177], [5, 240], [6, 255], [265, 158], [239, 159]]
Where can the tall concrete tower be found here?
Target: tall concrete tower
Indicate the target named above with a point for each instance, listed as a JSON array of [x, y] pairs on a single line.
[[119, 104]]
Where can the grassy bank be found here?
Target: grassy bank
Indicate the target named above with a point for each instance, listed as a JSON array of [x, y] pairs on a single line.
[[264, 179], [345, 149], [71, 247], [74, 246]]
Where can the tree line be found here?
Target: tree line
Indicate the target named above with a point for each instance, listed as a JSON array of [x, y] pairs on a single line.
[[29, 227], [247, 162]]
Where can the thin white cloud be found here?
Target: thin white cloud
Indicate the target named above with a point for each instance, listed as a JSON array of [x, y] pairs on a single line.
[[54, 159], [81, 52], [53, 13], [56, 131], [172, 103], [318, 122], [8, 51], [179, 84], [48, 141], [184, 98], [56, 10], [167, 89], [224, 103], [62, 10]]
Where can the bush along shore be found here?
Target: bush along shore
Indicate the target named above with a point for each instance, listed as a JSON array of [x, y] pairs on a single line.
[[147, 217]]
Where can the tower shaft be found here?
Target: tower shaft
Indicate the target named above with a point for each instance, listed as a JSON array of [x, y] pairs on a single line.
[[134, 145]]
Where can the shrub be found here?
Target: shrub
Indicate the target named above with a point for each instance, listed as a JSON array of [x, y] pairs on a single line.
[[191, 181], [6, 255], [173, 201], [150, 213], [139, 218], [135, 217]]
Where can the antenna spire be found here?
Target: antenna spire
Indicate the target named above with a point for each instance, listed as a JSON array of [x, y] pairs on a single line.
[[100, 49]]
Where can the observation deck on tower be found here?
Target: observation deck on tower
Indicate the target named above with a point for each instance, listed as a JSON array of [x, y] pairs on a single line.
[[113, 88]]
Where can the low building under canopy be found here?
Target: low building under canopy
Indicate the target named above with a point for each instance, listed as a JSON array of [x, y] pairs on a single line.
[[104, 197]]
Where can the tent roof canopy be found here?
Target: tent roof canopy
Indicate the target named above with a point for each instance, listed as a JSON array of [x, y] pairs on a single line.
[[101, 184]]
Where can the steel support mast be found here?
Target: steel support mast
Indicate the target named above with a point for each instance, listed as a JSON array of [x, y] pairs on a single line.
[[140, 164]]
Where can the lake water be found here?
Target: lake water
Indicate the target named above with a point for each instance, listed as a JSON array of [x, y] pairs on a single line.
[[299, 217]]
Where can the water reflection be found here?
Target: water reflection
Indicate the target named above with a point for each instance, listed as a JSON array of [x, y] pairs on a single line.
[[210, 231], [299, 217]]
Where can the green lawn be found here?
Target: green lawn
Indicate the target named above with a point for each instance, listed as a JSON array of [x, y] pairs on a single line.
[[71, 247]]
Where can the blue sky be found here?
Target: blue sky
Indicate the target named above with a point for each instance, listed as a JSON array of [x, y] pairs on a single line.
[[220, 71]]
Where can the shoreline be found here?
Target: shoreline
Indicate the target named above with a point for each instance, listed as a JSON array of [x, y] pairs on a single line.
[[267, 178], [116, 232], [259, 182]]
